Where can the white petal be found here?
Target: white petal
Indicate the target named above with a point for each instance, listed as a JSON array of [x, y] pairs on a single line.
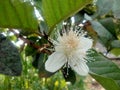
[[55, 61], [85, 43], [59, 48], [79, 66]]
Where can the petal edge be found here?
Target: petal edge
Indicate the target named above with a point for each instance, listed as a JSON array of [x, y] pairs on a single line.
[[79, 66], [55, 61]]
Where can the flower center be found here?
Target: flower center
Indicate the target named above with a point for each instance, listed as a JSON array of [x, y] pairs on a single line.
[[69, 42]]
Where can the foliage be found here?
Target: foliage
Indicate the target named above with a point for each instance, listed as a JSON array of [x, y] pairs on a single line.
[[103, 70], [36, 23], [10, 63], [62, 10], [14, 12]]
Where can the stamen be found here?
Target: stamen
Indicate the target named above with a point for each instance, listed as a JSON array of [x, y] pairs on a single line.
[[67, 68]]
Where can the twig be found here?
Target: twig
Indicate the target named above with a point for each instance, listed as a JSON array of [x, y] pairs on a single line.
[[114, 58], [38, 47]]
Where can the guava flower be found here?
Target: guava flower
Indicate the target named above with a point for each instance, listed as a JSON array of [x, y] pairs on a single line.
[[70, 48]]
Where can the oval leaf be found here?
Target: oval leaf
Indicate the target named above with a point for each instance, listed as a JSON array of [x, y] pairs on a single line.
[[104, 68], [18, 14], [107, 83], [104, 35], [55, 11], [10, 63]]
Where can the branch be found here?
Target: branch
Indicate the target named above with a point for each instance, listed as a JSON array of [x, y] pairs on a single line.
[[39, 48], [114, 58]]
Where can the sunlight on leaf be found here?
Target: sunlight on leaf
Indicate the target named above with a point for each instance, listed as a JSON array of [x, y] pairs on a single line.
[[56, 11], [18, 14]]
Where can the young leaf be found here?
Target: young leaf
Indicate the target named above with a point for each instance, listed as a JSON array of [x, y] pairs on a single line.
[[18, 14], [10, 63], [104, 68], [55, 11], [115, 51]]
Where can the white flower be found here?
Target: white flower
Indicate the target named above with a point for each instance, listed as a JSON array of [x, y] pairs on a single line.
[[70, 48]]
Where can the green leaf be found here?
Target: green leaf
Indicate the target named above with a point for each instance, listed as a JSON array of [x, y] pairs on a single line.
[[69, 75], [104, 68], [35, 62], [41, 66], [30, 50], [115, 51], [115, 47], [109, 25], [104, 35], [18, 14], [55, 11], [10, 63], [39, 41], [116, 9], [104, 6], [107, 83], [39, 63], [115, 43]]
